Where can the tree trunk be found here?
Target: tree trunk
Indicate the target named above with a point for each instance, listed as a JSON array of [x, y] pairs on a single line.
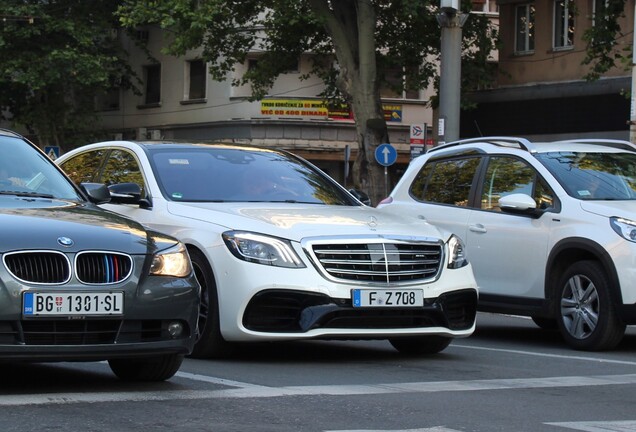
[[351, 25]]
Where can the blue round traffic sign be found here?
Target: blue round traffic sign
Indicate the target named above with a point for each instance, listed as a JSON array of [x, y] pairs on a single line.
[[385, 154]]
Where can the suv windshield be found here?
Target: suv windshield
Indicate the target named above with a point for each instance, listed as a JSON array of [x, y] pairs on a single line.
[[243, 174], [26, 172], [594, 176]]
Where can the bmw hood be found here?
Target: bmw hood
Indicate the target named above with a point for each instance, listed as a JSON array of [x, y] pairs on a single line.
[[61, 225], [299, 221]]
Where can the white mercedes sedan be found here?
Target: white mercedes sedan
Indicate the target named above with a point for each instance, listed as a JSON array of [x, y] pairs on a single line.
[[282, 251]]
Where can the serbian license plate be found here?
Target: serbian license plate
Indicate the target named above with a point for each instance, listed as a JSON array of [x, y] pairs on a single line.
[[387, 297], [72, 304]]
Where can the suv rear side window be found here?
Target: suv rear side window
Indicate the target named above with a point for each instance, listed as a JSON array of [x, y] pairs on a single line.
[[446, 182], [506, 176]]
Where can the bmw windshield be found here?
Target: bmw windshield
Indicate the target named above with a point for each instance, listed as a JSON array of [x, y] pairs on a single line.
[[594, 175], [26, 172]]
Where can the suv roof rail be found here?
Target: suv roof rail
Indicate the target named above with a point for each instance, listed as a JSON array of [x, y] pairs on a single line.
[[619, 144], [503, 141]]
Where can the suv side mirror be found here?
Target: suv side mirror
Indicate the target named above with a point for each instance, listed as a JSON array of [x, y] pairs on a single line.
[[361, 196], [518, 203]]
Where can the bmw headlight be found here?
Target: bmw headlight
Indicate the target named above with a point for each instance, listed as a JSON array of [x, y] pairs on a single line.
[[624, 227], [262, 249], [174, 261], [456, 253]]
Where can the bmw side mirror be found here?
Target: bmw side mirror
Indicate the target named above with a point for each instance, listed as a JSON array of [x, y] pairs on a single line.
[[97, 193]]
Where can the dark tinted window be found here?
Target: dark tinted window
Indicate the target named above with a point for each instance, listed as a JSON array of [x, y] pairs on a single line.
[[84, 167], [231, 173], [446, 182]]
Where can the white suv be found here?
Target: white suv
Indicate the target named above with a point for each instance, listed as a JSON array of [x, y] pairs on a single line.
[[550, 228]]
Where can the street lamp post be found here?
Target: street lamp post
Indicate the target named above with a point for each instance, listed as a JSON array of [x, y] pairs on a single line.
[[632, 114], [451, 21]]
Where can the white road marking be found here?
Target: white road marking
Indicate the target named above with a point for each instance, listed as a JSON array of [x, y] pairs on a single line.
[[433, 429], [248, 391], [599, 426], [538, 354], [214, 380]]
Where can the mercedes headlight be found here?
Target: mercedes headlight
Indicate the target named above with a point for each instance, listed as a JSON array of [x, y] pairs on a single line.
[[262, 249], [456, 253]]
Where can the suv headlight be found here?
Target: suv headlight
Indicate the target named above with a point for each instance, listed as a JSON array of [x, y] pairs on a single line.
[[456, 253], [174, 261], [624, 227], [262, 249]]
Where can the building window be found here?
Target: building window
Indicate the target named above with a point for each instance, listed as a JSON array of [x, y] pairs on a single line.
[[563, 24], [152, 78], [196, 79], [485, 6], [398, 85], [599, 8], [524, 28]]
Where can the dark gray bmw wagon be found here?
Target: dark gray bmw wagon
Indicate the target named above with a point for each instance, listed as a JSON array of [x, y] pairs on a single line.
[[78, 283]]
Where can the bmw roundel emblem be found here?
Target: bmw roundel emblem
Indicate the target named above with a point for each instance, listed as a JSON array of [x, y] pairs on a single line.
[[65, 241]]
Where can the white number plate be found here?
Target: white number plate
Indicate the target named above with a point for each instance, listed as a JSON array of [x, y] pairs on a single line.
[[72, 304], [387, 297]]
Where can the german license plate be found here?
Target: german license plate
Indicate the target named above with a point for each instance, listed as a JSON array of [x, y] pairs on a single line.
[[387, 297], [72, 304]]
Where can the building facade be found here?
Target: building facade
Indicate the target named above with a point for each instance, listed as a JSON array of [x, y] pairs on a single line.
[[541, 92], [179, 100]]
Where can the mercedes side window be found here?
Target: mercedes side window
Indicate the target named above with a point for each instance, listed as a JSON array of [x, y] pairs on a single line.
[[446, 182], [84, 168], [122, 167]]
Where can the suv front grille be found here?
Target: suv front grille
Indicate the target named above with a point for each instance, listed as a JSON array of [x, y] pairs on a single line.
[[54, 268], [386, 262]]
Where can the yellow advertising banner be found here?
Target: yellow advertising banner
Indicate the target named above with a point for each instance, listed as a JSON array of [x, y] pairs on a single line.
[[294, 107], [318, 108]]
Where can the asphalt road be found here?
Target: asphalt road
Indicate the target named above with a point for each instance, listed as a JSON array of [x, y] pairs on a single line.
[[508, 376]]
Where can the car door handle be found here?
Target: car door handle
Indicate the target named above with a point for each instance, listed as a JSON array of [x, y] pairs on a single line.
[[479, 228]]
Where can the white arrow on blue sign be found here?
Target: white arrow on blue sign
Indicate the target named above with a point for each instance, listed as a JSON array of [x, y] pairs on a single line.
[[385, 154]]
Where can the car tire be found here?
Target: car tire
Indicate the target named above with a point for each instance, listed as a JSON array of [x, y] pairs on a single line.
[[587, 316], [545, 323], [415, 345], [210, 342], [158, 368]]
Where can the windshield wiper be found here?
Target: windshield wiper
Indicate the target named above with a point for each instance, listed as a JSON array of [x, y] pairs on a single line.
[[26, 194]]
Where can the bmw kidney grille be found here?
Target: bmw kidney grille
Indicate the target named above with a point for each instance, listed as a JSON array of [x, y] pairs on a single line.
[[54, 268]]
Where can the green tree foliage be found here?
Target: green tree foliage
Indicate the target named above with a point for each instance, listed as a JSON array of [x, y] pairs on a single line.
[[368, 39], [603, 52], [56, 56]]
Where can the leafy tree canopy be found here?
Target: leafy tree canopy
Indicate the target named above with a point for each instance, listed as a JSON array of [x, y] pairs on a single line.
[[368, 39], [603, 52], [56, 56]]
